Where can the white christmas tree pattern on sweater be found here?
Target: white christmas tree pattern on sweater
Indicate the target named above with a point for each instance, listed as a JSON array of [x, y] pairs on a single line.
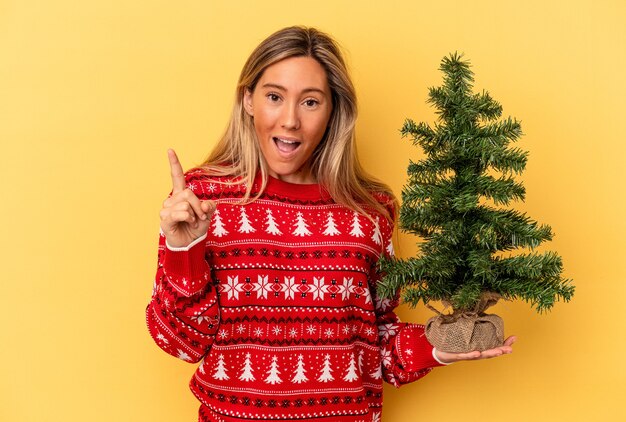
[[218, 225], [356, 226], [331, 227], [300, 373], [378, 373], [273, 372], [360, 361], [326, 374], [246, 374], [390, 248], [220, 369], [302, 228], [377, 237], [272, 228], [245, 226], [351, 374]]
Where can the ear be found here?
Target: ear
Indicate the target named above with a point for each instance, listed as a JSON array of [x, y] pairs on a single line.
[[247, 102]]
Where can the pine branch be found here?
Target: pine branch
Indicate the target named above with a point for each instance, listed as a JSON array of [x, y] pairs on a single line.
[[398, 274], [487, 107], [431, 140], [530, 266], [464, 202], [501, 133], [480, 265], [426, 172], [501, 191], [502, 230], [458, 77], [508, 160], [535, 279]]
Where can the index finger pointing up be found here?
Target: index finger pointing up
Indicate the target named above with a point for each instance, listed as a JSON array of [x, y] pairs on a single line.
[[178, 177]]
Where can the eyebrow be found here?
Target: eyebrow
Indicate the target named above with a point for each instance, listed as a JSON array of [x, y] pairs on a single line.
[[282, 88]]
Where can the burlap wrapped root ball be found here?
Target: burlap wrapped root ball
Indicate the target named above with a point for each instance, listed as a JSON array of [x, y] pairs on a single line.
[[467, 331]]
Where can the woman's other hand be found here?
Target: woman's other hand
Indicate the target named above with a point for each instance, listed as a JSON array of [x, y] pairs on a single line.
[[506, 348], [184, 218]]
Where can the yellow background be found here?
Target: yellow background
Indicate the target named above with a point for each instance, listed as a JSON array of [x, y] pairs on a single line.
[[92, 93]]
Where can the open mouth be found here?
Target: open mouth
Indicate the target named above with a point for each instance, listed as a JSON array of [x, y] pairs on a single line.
[[285, 145]]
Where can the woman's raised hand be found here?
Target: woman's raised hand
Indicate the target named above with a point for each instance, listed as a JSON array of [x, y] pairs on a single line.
[[184, 218]]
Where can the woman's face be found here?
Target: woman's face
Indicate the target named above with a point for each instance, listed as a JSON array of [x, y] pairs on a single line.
[[291, 105]]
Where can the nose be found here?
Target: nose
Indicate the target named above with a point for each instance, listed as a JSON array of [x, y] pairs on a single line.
[[290, 118]]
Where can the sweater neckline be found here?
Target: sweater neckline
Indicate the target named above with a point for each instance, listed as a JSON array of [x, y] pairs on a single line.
[[305, 191]]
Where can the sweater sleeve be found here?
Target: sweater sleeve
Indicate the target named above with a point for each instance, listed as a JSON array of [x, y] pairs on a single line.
[[183, 313], [406, 353]]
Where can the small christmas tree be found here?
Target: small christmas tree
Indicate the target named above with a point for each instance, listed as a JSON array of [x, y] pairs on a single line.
[[446, 202]]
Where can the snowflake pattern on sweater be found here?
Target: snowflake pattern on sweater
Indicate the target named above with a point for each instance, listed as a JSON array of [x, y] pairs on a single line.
[[278, 302]]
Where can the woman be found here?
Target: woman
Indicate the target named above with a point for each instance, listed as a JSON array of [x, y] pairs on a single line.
[[268, 254]]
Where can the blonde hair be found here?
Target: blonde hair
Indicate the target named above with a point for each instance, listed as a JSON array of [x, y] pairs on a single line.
[[335, 164]]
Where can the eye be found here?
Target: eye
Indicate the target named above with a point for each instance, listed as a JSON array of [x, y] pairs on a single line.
[[311, 102], [273, 97]]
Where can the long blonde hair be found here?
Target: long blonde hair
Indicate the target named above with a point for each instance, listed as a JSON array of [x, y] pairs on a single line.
[[335, 164]]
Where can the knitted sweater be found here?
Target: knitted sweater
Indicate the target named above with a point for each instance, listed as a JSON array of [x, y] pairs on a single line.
[[278, 301]]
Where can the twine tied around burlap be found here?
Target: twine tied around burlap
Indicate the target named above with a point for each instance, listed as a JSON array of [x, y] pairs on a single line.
[[466, 331]]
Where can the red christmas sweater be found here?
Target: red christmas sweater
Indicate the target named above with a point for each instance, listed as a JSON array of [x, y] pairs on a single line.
[[278, 301]]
